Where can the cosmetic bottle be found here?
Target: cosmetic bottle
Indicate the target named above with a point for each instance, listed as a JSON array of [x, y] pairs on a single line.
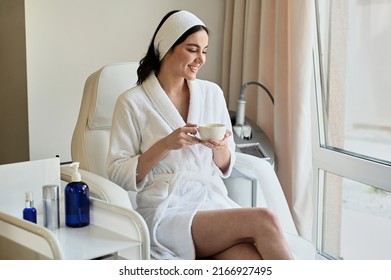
[[77, 200], [29, 212], [51, 206]]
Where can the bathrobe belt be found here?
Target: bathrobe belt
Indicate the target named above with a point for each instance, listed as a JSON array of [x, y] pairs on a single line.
[[207, 177]]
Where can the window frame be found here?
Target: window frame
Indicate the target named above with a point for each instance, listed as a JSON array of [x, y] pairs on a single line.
[[343, 163]]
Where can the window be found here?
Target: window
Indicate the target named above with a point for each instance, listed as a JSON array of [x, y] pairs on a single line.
[[352, 154]]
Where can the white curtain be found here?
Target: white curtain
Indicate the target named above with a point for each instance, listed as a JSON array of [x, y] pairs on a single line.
[[270, 41]]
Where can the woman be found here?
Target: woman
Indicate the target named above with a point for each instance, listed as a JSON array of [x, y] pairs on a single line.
[[155, 150]]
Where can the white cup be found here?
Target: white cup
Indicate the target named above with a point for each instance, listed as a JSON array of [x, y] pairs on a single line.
[[212, 130]]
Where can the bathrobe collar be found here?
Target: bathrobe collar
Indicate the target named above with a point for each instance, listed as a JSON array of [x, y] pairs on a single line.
[[166, 108]]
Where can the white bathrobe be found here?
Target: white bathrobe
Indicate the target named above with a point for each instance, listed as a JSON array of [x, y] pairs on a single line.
[[186, 180]]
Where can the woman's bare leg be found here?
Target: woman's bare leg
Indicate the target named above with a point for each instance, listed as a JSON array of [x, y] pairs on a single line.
[[243, 233], [241, 251]]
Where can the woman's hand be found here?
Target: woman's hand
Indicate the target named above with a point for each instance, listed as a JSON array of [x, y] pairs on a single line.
[[179, 138], [221, 152], [217, 144], [182, 137]]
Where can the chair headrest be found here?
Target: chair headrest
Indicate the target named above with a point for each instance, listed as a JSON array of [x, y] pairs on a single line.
[[103, 87]]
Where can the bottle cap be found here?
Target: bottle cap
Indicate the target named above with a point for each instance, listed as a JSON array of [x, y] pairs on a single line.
[[76, 177], [28, 196], [50, 192]]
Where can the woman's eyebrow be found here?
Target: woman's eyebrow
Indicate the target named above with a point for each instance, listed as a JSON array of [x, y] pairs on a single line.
[[195, 45]]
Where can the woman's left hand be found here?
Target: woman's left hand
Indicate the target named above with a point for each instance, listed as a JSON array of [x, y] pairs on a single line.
[[217, 144]]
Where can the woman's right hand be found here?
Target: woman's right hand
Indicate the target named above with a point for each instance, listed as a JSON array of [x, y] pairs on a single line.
[[182, 137], [178, 139]]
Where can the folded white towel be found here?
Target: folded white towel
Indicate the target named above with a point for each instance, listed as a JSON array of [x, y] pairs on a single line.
[[172, 29]]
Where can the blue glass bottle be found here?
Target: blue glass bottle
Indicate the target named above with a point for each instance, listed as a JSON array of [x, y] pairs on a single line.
[[77, 201], [29, 212]]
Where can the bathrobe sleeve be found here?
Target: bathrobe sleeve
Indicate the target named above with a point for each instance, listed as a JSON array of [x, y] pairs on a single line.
[[208, 105], [124, 148]]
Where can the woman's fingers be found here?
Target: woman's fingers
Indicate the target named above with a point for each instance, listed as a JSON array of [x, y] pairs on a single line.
[[217, 144]]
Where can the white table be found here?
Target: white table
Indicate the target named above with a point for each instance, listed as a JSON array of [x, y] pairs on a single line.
[[110, 233], [114, 231]]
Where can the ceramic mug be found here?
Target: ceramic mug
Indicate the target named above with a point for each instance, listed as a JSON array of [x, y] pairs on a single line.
[[212, 130]]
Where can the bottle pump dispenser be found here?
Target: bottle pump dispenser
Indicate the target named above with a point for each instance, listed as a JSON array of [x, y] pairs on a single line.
[[29, 212], [77, 200]]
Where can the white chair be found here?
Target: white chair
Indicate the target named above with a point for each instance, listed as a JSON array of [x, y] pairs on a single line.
[[91, 138], [251, 176]]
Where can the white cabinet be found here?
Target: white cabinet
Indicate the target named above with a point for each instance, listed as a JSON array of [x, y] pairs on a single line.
[[114, 231], [110, 233]]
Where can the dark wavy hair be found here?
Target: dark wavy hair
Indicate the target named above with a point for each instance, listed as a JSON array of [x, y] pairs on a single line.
[[150, 62]]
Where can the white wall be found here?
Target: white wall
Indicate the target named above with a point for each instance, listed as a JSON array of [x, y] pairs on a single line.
[[69, 39]]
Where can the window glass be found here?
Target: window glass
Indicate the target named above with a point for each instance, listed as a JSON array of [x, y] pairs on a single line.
[[357, 220], [356, 65], [352, 160]]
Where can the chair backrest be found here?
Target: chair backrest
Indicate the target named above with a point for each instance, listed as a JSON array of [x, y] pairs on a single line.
[[90, 140]]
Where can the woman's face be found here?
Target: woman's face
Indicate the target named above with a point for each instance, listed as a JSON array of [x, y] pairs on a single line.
[[186, 59]]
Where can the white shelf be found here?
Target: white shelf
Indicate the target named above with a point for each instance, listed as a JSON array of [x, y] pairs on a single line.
[[91, 242], [110, 232], [113, 230], [101, 237]]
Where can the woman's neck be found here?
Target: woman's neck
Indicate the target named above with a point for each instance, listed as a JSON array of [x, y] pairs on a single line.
[[172, 86], [178, 92]]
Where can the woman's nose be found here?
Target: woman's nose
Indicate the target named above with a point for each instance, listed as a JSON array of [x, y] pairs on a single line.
[[200, 58]]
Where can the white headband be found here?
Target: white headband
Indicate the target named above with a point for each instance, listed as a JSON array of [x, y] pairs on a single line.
[[172, 29]]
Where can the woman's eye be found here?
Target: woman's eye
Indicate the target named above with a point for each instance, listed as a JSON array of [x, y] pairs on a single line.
[[196, 51]]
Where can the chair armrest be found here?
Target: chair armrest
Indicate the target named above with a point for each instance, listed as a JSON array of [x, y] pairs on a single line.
[[100, 187], [268, 185], [30, 237]]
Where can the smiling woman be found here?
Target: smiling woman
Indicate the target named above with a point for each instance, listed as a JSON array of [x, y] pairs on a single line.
[[155, 150], [165, 40], [184, 60]]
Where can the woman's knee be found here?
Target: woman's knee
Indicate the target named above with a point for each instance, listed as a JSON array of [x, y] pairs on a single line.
[[267, 220]]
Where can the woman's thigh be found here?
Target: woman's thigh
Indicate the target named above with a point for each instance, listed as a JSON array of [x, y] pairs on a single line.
[[215, 231]]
